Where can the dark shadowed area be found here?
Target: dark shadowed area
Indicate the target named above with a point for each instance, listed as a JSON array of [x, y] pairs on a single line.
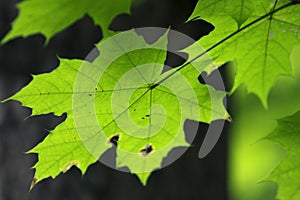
[[187, 178]]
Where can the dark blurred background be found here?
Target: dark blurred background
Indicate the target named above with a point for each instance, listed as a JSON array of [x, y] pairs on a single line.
[[187, 178]]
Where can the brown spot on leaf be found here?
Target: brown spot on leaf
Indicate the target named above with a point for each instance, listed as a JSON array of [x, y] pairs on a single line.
[[69, 165], [228, 118], [33, 183]]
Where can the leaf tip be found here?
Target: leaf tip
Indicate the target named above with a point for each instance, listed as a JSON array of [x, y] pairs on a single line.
[[7, 99], [228, 117], [33, 183], [5, 40], [144, 177]]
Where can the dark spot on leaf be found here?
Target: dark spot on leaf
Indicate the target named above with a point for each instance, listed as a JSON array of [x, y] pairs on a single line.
[[229, 118], [114, 140], [96, 89], [90, 95], [134, 110], [143, 117], [147, 115], [147, 150]]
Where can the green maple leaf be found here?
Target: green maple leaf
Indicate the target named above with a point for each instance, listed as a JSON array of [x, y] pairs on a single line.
[[287, 173], [128, 99], [258, 35], [51, 16]]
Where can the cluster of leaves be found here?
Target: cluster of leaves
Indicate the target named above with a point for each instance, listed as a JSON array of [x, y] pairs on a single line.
[[257, 35]]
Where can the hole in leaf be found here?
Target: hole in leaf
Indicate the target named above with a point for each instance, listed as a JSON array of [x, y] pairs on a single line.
[[114, 140], [147, 150]]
